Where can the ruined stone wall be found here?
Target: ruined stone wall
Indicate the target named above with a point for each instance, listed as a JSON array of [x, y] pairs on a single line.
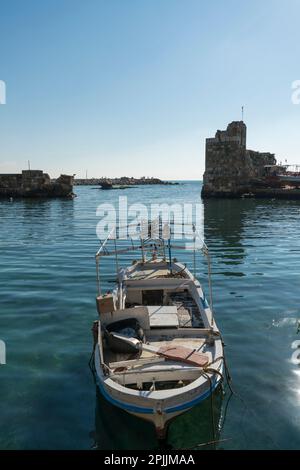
[[34, 183], [10, 181], [258, 161], [231, 169], [35, 180]]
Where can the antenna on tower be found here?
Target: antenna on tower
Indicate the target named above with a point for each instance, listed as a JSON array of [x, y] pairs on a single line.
[[28, 164], [243, 113]]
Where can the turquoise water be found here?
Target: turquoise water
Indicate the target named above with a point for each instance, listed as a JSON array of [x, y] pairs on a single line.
[[48, 399]]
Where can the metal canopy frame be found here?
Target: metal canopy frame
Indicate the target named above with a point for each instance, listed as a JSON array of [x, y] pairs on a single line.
[[147, 242]]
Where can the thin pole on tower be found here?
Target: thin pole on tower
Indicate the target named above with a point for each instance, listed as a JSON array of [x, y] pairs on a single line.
[[243, 113]]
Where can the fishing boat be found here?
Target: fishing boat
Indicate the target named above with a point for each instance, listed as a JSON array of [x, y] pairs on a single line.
[[158, 351], [290, 178], [283, 175], [106, 185]]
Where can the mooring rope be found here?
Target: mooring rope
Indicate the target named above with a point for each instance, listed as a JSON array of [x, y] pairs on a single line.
[[211, 406]]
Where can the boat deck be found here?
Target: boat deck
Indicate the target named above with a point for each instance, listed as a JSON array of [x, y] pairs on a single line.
[[143, 273], [188, 311], [193, 343], [150, 364], [145, 358]]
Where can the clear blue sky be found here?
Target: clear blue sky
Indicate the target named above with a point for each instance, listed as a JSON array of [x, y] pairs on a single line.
[[133, 87]]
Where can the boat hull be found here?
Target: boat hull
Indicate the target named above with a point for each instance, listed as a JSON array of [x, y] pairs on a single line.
[[157, 411]]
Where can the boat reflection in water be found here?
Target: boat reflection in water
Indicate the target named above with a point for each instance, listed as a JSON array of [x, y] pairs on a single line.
[[115, 429]]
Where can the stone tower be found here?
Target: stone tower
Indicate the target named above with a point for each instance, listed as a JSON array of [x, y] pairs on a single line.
[[229, 167]]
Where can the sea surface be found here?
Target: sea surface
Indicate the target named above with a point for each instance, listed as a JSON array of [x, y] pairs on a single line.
[[48, 399]]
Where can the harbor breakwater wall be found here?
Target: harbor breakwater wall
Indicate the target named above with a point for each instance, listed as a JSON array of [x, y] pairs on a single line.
[[35, 183], [230, 169], [123, 181]]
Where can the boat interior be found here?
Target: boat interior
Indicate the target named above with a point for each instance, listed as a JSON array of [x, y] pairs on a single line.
[[162, 313]]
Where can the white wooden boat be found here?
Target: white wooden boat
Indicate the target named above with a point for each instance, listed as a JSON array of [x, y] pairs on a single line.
[[158, 351], [290, 178]]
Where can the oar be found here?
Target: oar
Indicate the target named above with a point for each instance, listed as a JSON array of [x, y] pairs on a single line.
[[173, 352]]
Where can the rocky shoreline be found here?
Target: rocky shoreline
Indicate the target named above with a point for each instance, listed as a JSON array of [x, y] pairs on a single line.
[[123, 181]]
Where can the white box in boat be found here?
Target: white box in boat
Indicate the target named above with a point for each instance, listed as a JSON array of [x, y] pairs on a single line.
[[164, 316]]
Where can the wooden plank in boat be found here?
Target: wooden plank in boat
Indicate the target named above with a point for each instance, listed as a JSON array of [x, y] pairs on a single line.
[[184, 318], [183, 354], [164, 316], [185, 333], [134, 362]]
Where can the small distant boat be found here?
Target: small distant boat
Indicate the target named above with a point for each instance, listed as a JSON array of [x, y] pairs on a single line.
[[106, 185], [158, 351], [280, 175]]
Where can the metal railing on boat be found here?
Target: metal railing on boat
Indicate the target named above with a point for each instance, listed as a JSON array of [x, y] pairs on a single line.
[[162, 239], [144, 243]]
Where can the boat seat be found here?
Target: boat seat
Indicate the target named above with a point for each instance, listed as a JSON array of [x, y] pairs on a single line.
[[129, 327], [139, 312]]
